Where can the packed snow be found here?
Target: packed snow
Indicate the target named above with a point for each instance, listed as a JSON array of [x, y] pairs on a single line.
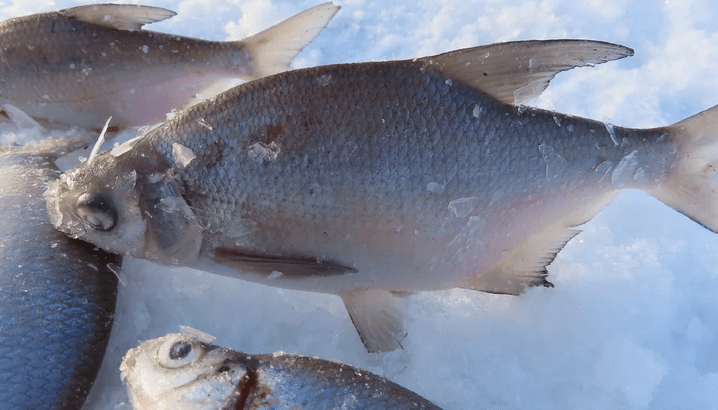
[[632, 319]]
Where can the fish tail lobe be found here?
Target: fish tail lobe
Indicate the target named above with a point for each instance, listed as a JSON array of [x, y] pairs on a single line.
[[693, 187], [273, 49]]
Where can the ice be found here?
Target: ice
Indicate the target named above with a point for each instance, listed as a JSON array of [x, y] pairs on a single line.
[[125, 146], [625, 170], [634, 370], [182, 155], [476, 112], [463, 206], [632, 321], [435, 187], [264, 151], [240, 228], [611, 131], [555, 163]]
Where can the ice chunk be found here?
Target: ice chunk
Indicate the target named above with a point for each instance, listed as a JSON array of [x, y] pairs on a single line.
[[434, 187], [264, 151], [625, 170], [182, 155], [175, 204], [611, 131], [100, 140], [324, 80], [20, 118], [462, 207], [203, 122], [240, 228], [477, 111], [125, 146], [555, 163], [197, 334]]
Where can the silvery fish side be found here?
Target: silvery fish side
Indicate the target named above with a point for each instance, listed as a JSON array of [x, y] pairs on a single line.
[[364, 180], [182, 371], [57, 296], [81, 65]]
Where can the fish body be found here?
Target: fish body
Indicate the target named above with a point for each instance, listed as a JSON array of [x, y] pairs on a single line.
[[81, 65], [182, 371], [57, 296], [368, 179]]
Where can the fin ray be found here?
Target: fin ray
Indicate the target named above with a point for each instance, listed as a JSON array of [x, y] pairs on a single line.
[[272, 50], [693, 188], [119, 16], [519, 71], [525, 266], [376, 317]]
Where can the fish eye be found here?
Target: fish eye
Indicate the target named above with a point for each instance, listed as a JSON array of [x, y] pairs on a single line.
[[180, 350], [96, 211], [177, 353]]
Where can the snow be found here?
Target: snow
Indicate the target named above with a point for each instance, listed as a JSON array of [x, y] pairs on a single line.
[[632, 319]]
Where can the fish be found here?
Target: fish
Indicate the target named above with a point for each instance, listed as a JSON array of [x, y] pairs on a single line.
[[374, 180], [184, 371], [80, 65], [57, 294]]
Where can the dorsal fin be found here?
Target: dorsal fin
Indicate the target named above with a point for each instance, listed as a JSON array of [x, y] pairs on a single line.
[[119, 16], [519, 71]]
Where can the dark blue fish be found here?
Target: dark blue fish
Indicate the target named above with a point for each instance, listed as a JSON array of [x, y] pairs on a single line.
[[57, 297], [182, 371]]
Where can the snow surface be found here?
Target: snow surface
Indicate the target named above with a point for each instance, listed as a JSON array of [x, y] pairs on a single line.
[[632, 320]]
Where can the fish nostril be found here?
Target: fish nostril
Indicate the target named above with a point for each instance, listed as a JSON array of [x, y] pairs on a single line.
[[223, 369], [95, 210]]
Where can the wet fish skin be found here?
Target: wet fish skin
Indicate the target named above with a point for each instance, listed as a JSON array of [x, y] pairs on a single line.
[[79, 66], [367, 179], [182, 371], [57, 297]]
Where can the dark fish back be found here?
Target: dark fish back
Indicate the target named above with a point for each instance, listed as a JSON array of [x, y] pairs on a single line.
[[57, 297], [312, 383]]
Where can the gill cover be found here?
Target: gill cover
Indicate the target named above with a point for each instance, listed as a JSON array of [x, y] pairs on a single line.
[[173, 233]]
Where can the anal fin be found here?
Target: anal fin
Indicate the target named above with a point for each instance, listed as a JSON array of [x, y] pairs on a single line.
[[377, 318], [524, 266]]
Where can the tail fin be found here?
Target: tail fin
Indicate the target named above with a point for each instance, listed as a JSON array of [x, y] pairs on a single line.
[[273, 49], [693, 190]]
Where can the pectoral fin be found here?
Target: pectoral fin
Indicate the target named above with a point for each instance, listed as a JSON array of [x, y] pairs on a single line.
[[119, 16], [266, 265], [376, 316], [519, 71]]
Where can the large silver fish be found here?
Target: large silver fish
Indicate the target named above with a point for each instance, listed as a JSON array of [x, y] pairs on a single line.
[[81, 65], [57, 295], [182, 371], [366, 179]]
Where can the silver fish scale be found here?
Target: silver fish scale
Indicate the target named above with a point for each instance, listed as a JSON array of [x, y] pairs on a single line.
[[358, 145], [57, 296], [296, 382], [69, 51]]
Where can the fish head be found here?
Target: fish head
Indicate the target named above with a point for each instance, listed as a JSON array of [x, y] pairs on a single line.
[[181, 371], [128, 205]]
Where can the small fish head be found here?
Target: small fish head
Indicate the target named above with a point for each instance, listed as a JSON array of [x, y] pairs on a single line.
[[179, 371], [98, 202]]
